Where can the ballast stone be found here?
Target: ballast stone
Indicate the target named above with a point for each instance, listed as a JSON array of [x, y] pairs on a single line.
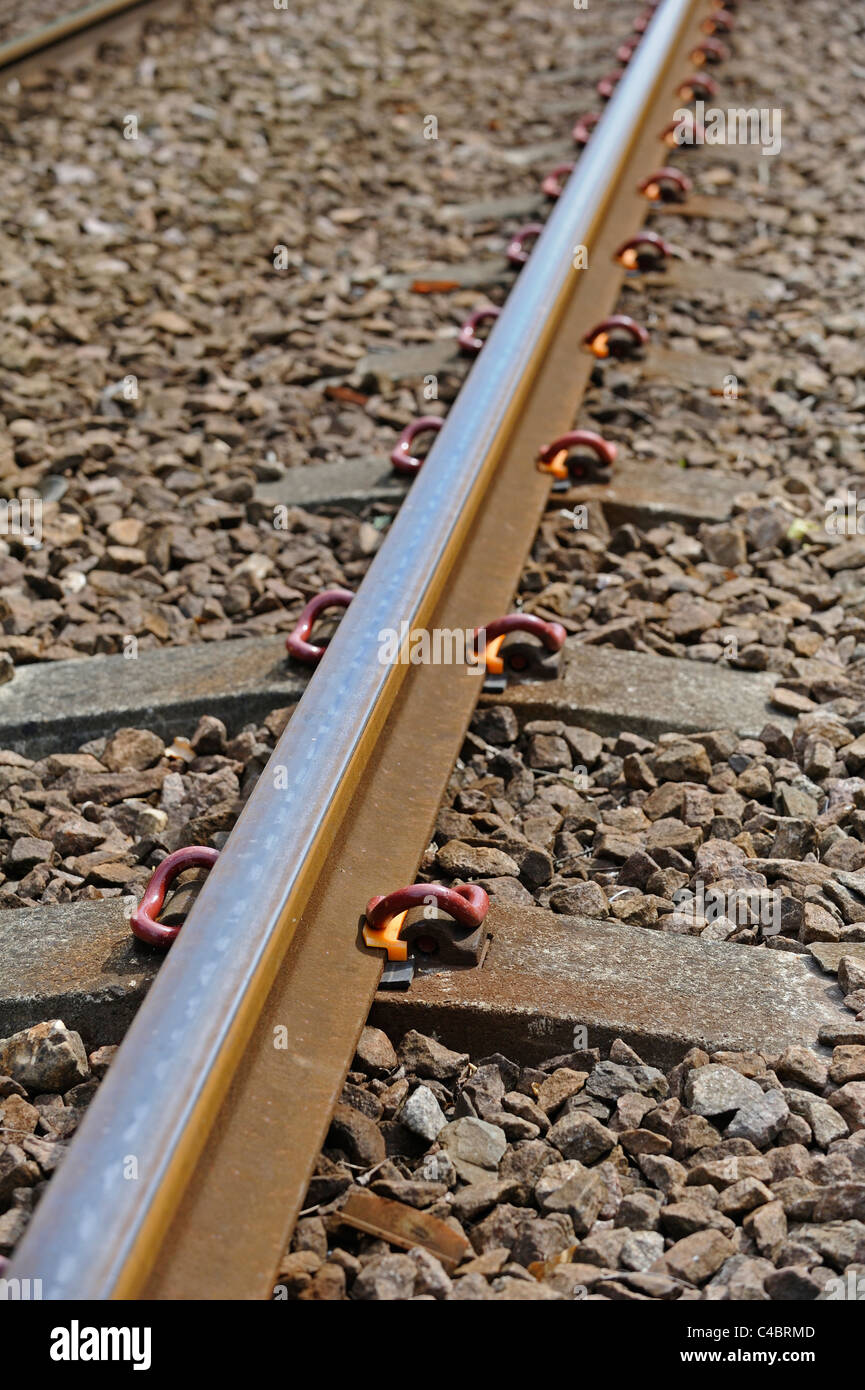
[[48, 1057], [427, 1058], [423, 1115], [475, 1146], [717, 1090], [375, 1054], [759, 1119]]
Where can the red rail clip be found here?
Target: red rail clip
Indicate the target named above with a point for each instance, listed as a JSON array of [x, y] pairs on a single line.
[[666, 186], [608, 84], [584, 127], [598, 339], [467, 904], [551, 635], [553, 185], [297, 641], [553, 458], [720, 22], [143, 921], [697, 85], [516, 252], [402, 458], [626, 51], [467, 337], [709, 51], [692, 130], [642, 22], [642, 251]]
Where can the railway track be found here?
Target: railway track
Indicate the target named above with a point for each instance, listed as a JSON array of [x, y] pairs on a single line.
[[227, 1129], [24, 46]]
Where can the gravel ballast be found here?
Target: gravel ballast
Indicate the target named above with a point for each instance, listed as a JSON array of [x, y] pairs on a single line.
[[755, 841], [731, 1177], [182, 318]]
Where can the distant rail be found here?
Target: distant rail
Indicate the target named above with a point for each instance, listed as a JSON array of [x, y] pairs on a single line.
[[52, 36]]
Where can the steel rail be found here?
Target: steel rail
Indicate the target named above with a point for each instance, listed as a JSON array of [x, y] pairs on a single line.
[[40, 40], [97, 1232]]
